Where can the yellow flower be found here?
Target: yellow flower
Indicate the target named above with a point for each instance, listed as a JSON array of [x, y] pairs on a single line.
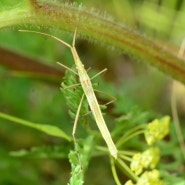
[[150, 178], [136, 164], [129, 182], [147, 159], [150, 157], [157, 129]]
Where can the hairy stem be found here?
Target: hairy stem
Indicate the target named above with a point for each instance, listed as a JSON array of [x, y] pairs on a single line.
[[45, 14]]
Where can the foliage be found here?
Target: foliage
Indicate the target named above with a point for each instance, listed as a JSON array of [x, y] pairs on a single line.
[[39, 151], [79, 163]]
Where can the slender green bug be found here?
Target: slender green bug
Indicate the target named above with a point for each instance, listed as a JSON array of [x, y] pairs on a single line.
[[86, 84]]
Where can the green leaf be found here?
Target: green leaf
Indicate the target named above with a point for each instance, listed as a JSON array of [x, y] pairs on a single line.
[[79, 160], [48, 129], [43, 152], [173, 179], [76, 174], [73, 95]]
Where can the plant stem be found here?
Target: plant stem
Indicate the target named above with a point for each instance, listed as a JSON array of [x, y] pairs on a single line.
[[90, 24]]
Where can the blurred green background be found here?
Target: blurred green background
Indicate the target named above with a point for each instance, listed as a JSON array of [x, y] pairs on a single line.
[[38, 99]]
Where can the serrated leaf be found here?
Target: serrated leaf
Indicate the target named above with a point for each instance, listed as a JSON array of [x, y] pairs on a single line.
[[76, 174], [73, 95], [79, 160]]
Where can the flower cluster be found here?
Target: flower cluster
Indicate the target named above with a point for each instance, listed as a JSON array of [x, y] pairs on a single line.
[[147, 160], [157, 130], [148, 178]]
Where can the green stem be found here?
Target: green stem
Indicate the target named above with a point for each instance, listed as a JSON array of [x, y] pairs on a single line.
[[123, 140], [113, 168], [125, 158], [131, 133], [67, 17], [126, 152], [123, 167]]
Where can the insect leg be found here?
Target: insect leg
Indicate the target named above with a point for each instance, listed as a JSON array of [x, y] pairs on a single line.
[[67, 68], [74, 128], [77, 116], [113, 99], [64, 66], [72, 86], [99, 73]]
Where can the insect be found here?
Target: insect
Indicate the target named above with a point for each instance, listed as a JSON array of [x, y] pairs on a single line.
[[86, 84]]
